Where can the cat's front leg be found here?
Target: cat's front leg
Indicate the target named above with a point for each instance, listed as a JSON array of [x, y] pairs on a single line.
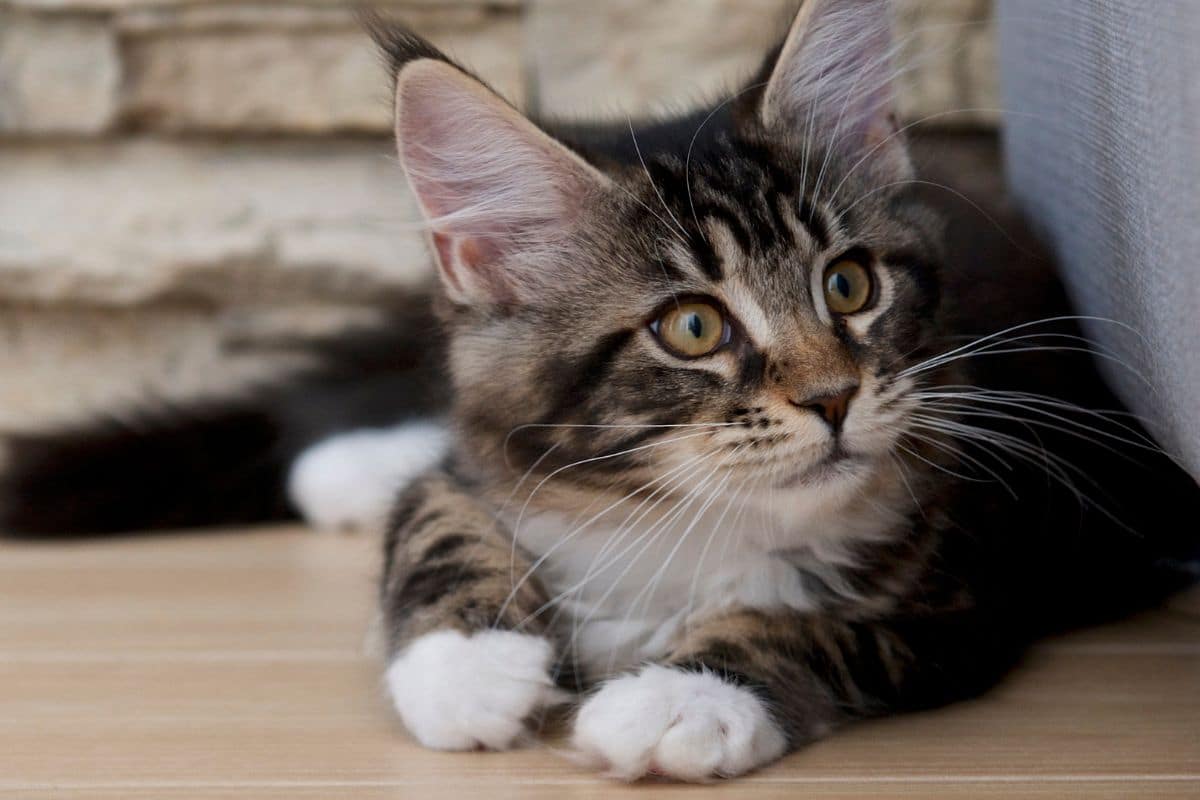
[[746, 687], [469, 662]]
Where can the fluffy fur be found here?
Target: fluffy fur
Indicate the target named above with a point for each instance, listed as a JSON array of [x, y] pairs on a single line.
[[350, 480], [689, 725], [716, 564], [458, 692]]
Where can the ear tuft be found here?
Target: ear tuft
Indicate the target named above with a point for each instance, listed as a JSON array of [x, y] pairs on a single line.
[[501, 197], [833, 81], [399, 45]]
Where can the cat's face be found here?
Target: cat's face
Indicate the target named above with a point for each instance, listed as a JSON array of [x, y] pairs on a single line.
[[756, 340], [737, 303]]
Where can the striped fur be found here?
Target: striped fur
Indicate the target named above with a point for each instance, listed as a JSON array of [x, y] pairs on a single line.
[[629, 506], [718, 568]]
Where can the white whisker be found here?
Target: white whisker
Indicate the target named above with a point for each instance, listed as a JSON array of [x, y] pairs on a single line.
[[687, 161], [575, 531], [637, 147]]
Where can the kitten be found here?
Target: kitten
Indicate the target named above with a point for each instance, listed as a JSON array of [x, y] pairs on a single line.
[[749, 438]]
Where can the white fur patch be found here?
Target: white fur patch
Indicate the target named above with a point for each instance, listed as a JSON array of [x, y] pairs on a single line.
[[455, 692], [630, 582], [350, 481], [690, 726]]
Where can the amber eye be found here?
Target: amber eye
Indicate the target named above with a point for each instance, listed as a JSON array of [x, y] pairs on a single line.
[[692, 329], [847, 286]]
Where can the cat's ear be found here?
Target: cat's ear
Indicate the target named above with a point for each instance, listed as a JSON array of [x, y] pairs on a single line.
[[501, 197], [833, 82]]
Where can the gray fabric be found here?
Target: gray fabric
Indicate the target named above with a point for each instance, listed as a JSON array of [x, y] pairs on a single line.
[[1102, 140]]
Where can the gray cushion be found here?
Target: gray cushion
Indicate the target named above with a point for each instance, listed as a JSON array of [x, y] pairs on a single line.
[[1102, 141]]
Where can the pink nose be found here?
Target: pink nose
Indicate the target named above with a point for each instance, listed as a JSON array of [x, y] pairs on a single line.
[[832, 407]]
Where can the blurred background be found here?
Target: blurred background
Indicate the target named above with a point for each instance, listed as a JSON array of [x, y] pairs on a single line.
[[187, 184]]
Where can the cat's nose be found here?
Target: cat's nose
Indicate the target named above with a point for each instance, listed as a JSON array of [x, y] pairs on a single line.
[[832, 406]]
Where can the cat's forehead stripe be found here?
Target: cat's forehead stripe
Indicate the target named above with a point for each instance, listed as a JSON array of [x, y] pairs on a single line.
[[812, 217], [747, 191]]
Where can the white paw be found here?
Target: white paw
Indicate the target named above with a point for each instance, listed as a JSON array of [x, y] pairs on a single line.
[[349, 481], [455, 692], [691, 726]]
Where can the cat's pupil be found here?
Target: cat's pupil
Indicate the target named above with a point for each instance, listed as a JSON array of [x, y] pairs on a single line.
[[841, 284], [694, 325]]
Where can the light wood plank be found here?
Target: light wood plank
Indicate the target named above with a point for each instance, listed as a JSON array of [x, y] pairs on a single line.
[[258, 720], [206, 666], [266, 591], [1171, 789]]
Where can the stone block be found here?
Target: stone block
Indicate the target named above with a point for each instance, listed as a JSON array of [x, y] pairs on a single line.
[[58, 74], [628, 56], [278, 221], [290, 69]]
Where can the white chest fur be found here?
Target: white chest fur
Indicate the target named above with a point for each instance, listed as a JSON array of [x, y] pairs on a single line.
[[626, 584]]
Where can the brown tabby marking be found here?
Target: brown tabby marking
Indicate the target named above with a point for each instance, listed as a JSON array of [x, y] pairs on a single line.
[[449, 564]]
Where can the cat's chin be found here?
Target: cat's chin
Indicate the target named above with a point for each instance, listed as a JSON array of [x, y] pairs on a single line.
[[839, 467]]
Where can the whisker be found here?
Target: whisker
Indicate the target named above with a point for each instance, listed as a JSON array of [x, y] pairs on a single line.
[[620, 425], [887, 56], [614, 539], [992, 336], [900, 471], [999, 348], [687, 162], [564, 540], [594, 459], [920, 182], [512, 555], [716, 528], [959, 388], [969, 410], [655, 579], [970, 460], [939, 467], [908, 126], [637, 147], [1055, 465], [658, 529], [1034, 398]]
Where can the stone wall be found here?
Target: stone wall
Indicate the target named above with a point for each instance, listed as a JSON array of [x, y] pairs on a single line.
[[180, 177]]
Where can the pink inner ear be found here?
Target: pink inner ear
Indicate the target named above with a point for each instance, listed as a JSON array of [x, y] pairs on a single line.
[[444, 246], [493, 186], [472, 262], [834, 80]]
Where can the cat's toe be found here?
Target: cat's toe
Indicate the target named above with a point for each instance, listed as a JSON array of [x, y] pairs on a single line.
[[691, 726], [459, 692]]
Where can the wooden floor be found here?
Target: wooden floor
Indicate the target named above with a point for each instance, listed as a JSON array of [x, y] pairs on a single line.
[[237, 664]]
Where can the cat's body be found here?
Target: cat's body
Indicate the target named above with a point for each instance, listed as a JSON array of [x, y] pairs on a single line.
[[752, 434]]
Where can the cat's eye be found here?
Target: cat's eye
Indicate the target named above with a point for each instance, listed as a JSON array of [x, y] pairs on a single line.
[[692, 329], [847, 286]]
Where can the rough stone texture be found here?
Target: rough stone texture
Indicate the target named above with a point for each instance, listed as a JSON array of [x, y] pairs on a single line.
[[58, 74], [631, 56], [138, 5], [256, 81], [264, 221], [308, 71], [305, 67], [635, 57]]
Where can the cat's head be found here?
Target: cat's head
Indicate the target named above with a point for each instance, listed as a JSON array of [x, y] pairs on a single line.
[[732, 293]]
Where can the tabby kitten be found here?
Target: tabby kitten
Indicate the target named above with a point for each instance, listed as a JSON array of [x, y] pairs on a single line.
[[723, 471]]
